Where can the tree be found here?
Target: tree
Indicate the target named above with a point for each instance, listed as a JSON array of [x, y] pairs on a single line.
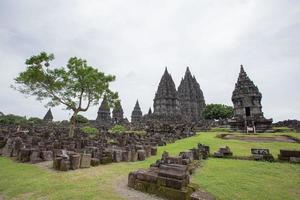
[[217, 111], [76, 86]]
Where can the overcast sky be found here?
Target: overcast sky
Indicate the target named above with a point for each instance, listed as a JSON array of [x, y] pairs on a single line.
[[135, 40]]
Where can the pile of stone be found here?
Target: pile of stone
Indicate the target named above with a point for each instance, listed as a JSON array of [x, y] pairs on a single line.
[[169, 177], [294, 124], [262, 155], [292, 156], [223, 152]]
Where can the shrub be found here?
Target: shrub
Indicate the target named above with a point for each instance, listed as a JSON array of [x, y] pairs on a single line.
[[81, 119], [13, 120], [91, 131], [217, 111], [118, 129]]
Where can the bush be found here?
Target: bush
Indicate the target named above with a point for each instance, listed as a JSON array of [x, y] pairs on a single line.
[[13, 120], [218, 111], [118, 129], [35, 120], [91, 131], [81, 119]]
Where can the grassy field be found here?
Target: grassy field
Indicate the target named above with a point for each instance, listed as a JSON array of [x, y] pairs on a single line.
[[226, 179]]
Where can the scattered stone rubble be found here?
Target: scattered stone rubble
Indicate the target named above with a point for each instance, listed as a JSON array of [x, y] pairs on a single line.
[[292, 156], [169, 177], [51, 141], [223, 152], [262, 154]]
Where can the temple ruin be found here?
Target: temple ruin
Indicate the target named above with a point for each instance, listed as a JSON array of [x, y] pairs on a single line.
[[248, 115], [191, 97]]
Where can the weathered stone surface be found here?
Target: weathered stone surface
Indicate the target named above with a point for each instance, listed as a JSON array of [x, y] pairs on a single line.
[[47, 155], [136, 115], [117, 156], [85, 160], [248, 113], [24, 155], [57, 163], [35, 156], [141, 155], [191, 99], [48, 117], [64, 165], [104, 117], [95, 162], [286, 155], [75, 160], [153, 151]]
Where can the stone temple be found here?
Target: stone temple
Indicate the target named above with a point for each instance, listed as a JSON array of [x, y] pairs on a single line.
[[118, 114], [48, 117], [136, 115], [246, 100], [166, 102], [103, 117], [191, 99]]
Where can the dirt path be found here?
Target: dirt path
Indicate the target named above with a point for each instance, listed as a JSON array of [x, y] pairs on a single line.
[[130, 194]]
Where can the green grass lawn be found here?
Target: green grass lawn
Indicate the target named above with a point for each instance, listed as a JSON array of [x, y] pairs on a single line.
[[226, 179]]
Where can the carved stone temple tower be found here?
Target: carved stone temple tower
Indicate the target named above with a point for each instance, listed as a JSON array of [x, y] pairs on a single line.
[[48, 117], [118, 117], [246, 100], [166, 100], [191, 98], [104, 117], [136, 115]]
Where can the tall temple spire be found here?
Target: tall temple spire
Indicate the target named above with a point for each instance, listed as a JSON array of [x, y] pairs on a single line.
[[48, 117], [166, 99], [246, 99], [118, 113], [136, 115], [103, 117], [191, 97]]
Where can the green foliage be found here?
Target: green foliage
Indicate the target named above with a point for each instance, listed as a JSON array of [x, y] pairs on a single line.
[[13, 120], [217, 111], [118, 129], [89, 130], [18, 120], [283, 129], [80, 119], [35, 120], [220, 129], [76, 86]]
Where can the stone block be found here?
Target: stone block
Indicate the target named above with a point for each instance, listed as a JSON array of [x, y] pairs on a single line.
[[141, 155], [134, 156], [105, 160], [57, 162], [64, 165], [148, 150], [131, 179], [260, 151], [173, 171], [153, 151], [126, 156], [75, 161], [35, 156], [95, 162], [117, 156], [47, 155], [147, 175], [24, 155], [171, 182], [85, 160]]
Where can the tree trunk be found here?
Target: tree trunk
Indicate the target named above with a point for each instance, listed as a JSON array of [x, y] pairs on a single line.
[[73, 124]]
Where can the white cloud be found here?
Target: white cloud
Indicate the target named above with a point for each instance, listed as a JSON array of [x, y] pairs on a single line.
[[135, 40]]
